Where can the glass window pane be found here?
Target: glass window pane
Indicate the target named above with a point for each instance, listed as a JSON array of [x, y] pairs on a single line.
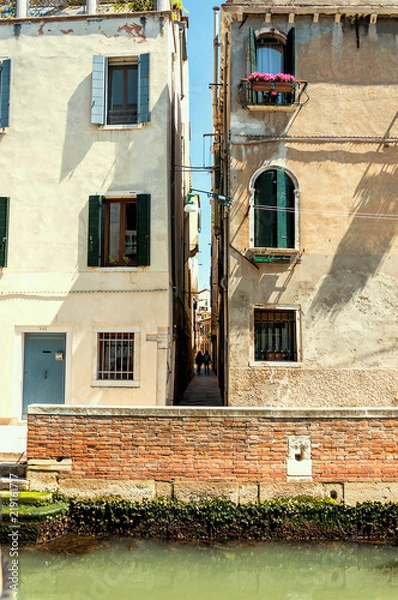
[[116, 87], [114, 232]]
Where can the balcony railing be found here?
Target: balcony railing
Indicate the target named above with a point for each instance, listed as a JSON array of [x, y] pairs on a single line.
[[276, 93], [43, 8]]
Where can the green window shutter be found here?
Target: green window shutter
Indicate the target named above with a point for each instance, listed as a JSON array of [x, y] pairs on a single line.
[[252, 51], [4, 209], [143, 229], [282, 215], [285, 211], [5, 76], [265, 220], [290, 53], [98, 88], [95, 231], [143, 94], [274, 217]]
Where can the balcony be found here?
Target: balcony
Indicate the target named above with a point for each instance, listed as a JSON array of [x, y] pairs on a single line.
[[272, 94]]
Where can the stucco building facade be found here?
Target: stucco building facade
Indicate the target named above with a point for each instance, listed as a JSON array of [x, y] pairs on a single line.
[[305, 259], [95, 261]]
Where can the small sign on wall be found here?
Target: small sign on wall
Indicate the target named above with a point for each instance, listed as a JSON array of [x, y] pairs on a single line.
[[299, 463]]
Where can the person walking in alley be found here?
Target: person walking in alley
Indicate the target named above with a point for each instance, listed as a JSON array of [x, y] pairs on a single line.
[[199, 361], [207, 362]]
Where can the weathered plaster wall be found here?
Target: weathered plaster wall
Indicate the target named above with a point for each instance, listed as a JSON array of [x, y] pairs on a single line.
[[53, 159], [345, 283], [245, 454]]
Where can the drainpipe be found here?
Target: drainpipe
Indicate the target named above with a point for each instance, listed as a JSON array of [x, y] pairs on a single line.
[[91, 7], [214, 88], [22, 9]]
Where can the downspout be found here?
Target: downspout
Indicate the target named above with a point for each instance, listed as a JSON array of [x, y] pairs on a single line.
[[214, 92], [226, 190]]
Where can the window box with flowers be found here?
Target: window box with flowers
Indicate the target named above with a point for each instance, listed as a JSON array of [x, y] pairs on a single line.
[[268, 82], [264, 89]]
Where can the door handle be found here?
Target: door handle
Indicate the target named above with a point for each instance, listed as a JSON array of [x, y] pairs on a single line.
[[45, 374]]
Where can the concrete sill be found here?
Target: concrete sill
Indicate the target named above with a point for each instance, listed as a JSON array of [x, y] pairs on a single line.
[[112, 383], [274, 363]]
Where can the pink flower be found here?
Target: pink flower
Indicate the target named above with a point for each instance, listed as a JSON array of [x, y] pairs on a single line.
[[270, 77]]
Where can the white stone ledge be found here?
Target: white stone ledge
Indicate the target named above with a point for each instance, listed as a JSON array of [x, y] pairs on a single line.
[[273, 414]]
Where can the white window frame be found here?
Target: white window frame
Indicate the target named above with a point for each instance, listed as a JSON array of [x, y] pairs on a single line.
[[276, 363], [110, 383]]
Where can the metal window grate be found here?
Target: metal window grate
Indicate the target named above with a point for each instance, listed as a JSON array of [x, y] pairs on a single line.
[[115, 356], [275, 335]]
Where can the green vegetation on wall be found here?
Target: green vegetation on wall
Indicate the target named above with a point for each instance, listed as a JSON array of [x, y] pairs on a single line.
[[221, 520], [213, 520]]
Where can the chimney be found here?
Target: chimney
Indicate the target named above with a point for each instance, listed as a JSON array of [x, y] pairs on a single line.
[[163, 5], [91, 7], [22, 9]]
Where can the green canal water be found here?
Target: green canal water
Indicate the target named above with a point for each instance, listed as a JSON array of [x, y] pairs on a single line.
[[151, 570]]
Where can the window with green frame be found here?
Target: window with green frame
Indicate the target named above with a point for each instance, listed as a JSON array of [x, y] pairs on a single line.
[[274, 211], [119, 231], [272, 51]]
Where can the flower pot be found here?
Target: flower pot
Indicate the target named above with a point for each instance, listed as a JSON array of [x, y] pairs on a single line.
[[268, 86]]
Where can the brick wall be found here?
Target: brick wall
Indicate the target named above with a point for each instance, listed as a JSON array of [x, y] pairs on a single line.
[[235, 445]]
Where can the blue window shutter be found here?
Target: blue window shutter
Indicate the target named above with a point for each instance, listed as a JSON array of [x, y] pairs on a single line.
[[5, 73], [98, 89], [290, 53], [4, 208], [143, 77], [95, 231], [143, 229]]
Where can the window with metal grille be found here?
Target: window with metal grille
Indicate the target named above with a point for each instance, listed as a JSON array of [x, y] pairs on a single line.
[[115, 356], [275, 335]]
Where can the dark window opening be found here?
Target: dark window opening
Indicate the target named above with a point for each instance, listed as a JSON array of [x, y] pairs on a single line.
[[122, 94], [275, 335], [120, 233], [115, 356], [274, 205]]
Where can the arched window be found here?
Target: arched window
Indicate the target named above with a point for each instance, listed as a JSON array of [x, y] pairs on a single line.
[[274, 210], [272, 51]]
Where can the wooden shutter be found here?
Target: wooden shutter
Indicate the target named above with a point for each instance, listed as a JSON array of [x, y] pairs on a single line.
[[265, 220], [290, 53], [143, 229], [95, 231], [5, 73], [285, 211], [282, 214], [98, 89], [143, 93], [4, 208], [252, 51]]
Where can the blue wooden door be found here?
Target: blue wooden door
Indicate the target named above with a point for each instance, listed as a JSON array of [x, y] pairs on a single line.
[[44, 369]]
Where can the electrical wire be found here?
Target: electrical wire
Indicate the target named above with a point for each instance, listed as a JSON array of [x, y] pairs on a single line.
[[336, 213]]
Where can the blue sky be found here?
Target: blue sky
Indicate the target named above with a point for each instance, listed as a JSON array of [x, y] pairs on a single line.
[[200, 57]]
